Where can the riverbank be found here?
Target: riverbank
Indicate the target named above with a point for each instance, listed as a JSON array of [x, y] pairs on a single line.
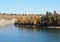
[[33, 26], [53, 27]]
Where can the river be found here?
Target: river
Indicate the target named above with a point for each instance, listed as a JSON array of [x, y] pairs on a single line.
[[23, 34]]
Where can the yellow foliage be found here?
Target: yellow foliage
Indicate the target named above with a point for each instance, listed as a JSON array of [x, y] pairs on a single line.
[[29, 19], [34, 21]]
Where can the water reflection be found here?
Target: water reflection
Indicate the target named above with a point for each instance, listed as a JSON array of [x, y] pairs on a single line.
[[50, 30], [46, 35], [30, 28], [29, 34]]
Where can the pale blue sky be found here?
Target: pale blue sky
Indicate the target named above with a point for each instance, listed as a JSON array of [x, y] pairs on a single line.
[[29, 6]]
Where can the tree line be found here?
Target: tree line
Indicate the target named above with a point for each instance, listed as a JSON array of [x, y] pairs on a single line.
[[50, 19]]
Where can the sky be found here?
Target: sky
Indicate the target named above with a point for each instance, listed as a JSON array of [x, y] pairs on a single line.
[[29, 6]]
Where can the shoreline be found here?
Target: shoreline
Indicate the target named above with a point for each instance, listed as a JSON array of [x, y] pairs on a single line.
[[33, 26]]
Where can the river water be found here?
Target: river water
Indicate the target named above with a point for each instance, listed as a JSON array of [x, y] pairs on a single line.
[[24, 34]]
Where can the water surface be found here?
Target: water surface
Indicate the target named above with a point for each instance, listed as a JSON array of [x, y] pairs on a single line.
[[23, 34]]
